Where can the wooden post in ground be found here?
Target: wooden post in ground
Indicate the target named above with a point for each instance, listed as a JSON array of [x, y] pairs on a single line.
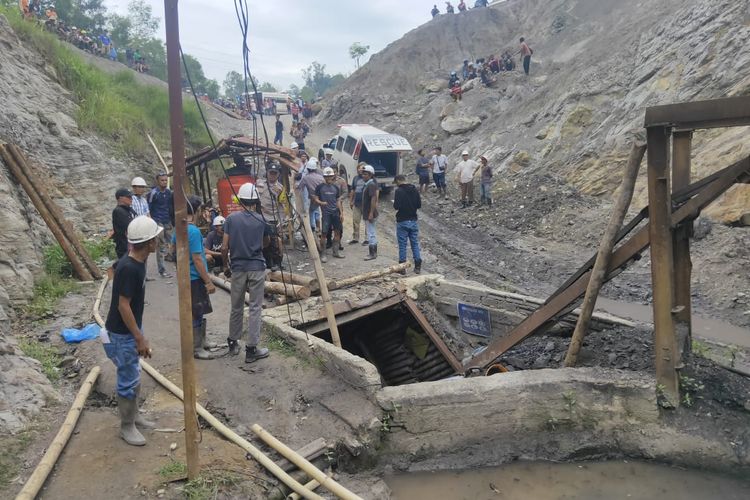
[[312, 247], [662, 268], [192, 436], [601, 265], [683, 267]]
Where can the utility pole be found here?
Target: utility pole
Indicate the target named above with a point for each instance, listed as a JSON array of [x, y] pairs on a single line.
[[177, 126]]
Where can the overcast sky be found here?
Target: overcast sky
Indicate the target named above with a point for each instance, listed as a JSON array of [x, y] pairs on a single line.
[[287, 35]]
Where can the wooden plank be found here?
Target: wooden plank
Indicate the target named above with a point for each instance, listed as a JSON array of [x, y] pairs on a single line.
[[434, 336], [310, 451], [683, 267], [321, 326], [662, 267]]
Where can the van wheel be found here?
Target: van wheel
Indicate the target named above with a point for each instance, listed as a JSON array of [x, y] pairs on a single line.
[[385, 192]]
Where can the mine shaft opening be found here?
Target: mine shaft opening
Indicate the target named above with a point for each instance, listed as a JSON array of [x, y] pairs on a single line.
[[392, 339]]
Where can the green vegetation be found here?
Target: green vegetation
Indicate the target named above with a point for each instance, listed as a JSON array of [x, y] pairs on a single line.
[[11, 448], [47, 291], [116, 107], [699, 348], [210, 484], [173, 470], [46, 354], [690, 389], [101, 250], [279, 344]]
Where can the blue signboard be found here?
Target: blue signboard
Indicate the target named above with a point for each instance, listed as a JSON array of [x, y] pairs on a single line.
[[474, 320]]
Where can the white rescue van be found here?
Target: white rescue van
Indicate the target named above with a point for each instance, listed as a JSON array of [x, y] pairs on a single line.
[[384, 151]]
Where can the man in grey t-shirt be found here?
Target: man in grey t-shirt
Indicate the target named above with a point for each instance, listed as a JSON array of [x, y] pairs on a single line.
[[245, 235]]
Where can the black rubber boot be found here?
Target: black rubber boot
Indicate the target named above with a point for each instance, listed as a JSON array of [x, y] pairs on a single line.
[[417, 266], [373, 253], [253, 354], [234, 347]]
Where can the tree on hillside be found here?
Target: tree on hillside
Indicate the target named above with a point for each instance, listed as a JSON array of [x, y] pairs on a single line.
[[318, 81], [143, 24], [211, 88], [89, 14], [267, 87], [119, 29], [358, 50], [234, 85], [155, 54]]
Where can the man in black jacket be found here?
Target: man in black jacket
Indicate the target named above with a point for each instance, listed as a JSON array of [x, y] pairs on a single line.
[[406, 201], [121, 217]]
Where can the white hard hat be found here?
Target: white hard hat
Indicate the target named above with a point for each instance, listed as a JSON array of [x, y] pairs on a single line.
[[142, 229], [369, 169], [294, 145], [464, 152], [219, 220], [312, 164], [328, 172], [248, 192], [327, 151], [138, 182]]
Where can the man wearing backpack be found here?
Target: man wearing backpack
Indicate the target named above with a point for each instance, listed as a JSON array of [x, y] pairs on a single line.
[[526, 55]]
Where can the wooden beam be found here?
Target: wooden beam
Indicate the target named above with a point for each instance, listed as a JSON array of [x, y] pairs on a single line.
[[662, 266], [434, 336], [681, 147]]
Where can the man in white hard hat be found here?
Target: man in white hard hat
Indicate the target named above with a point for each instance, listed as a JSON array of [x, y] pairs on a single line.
[[307, 187], [245, 236], [370, 196], [212, 243], [139, 203], [328, 197], [328, 160], [123, 337], [466, 169]]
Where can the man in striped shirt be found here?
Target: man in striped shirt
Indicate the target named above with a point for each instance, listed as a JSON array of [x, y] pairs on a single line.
[[139, 205]]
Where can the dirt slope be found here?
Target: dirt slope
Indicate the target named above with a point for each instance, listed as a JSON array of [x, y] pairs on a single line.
[[597, 65]]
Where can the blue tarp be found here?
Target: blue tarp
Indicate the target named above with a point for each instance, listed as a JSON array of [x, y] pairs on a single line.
[[88, 332]]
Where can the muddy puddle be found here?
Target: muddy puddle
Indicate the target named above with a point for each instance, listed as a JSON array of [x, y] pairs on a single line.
[[707, 328], [611, 480]]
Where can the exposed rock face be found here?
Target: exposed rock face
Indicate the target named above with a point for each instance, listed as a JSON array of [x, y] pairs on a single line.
[[460, 124], [23, 388], [597, 65]]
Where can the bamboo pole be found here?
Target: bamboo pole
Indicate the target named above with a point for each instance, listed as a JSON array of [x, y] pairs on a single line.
[[603, 257], [326, 482], [396, 268], [78, 268], [39, 476], [177, 134], [161, 159], [56, 212], [311, 485], [222, 429], [225, 431], [313, 249]]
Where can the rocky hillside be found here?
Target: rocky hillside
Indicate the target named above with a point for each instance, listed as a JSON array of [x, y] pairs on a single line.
[[597, 65]]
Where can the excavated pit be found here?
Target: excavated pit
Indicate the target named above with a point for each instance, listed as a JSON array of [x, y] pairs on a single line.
[[597, 410], [392, 339]]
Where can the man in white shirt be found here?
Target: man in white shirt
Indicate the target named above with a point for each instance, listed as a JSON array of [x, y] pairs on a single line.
[[465, 171], [439, 164], [139, 205]]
